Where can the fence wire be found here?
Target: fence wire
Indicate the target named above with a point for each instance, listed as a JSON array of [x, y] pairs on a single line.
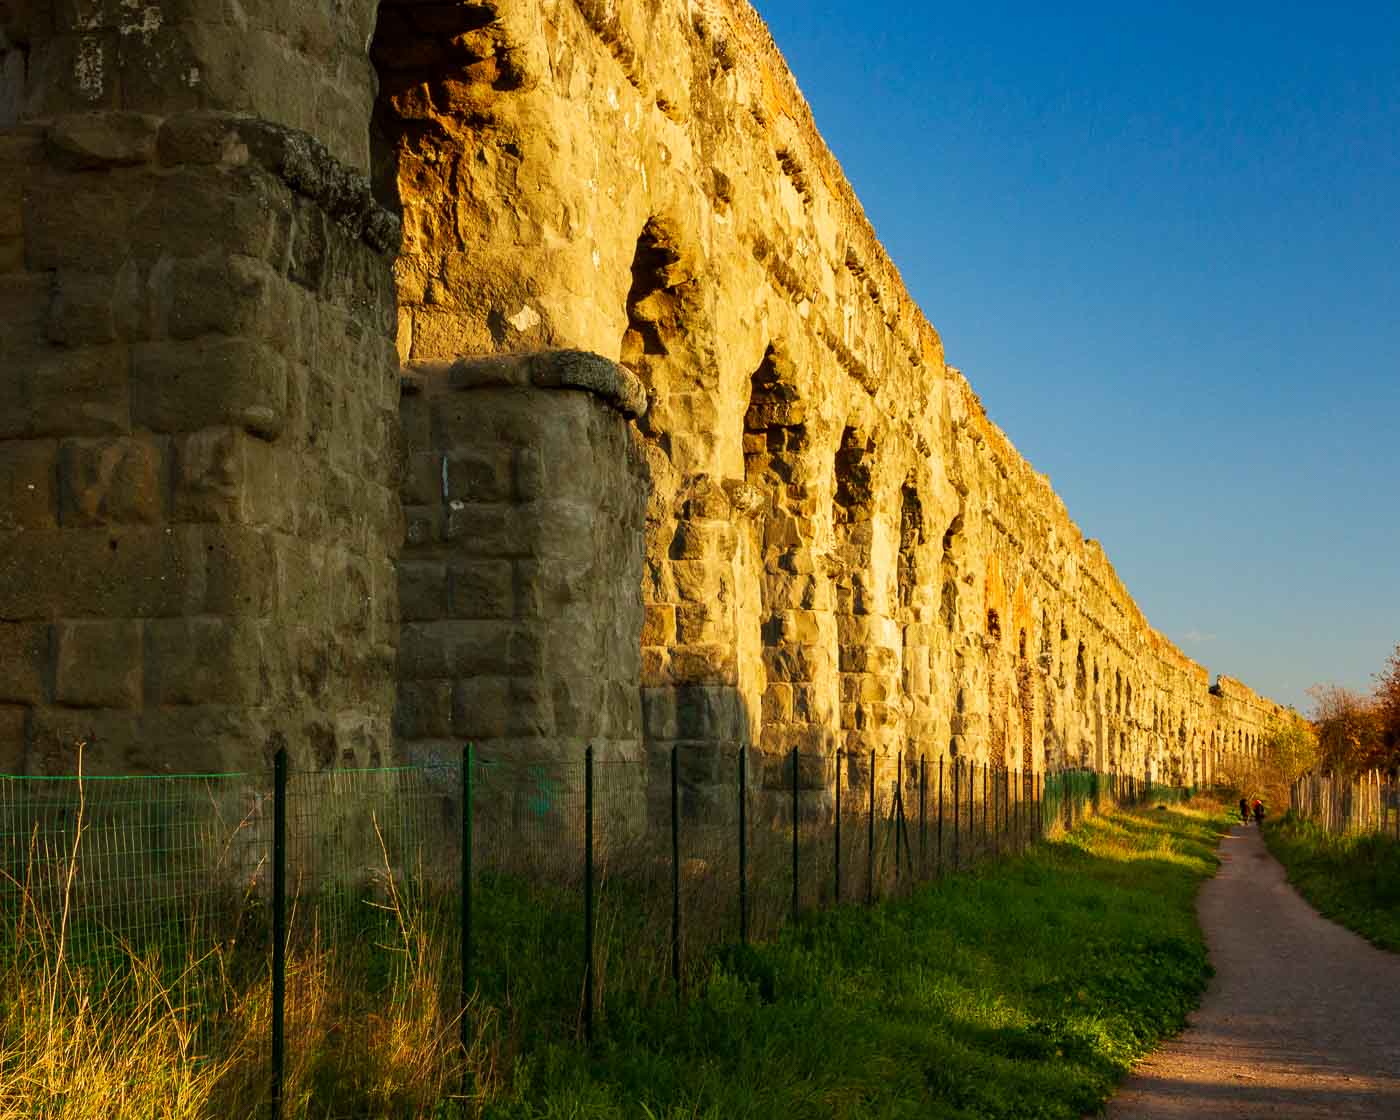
[[692, 849]]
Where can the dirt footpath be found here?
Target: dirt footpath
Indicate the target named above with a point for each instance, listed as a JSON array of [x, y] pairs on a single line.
[[1302, 1019]]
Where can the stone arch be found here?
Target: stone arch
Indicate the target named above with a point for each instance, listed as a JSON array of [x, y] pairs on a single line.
[[794, 599]]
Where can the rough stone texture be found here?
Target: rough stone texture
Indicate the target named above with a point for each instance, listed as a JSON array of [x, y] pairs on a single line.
[[518, 582], [199, 203], [198, 390], [842, 550]]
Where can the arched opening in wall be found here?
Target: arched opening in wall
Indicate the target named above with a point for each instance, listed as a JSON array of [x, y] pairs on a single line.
[[993, 624], [1118, 692], [1128, 702], [1081, 680], [1021, 644]]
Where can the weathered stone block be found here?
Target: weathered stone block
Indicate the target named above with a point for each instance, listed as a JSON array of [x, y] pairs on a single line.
[[209, 382], [481, 474], [484, 708], [707, 712], [704, 664], [24, 656], [115, 481], [204, 661], [425, 710], [98, 664], [87, 141], [659, 713], [28, 484], [658, 625], [481, 589], [463, 648], [422, 589], [78, 392], [232, 294]]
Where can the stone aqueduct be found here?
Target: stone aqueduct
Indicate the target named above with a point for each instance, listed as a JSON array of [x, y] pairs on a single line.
[[380, 375]]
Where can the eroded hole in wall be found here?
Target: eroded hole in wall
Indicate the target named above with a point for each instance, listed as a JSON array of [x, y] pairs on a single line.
[[1081, 686], [420, 53], [993, 624], [653, 302], [911, 537], [854, 476], [952, 551]]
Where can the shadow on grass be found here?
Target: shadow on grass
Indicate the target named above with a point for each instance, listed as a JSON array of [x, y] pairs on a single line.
[[1025, 989]]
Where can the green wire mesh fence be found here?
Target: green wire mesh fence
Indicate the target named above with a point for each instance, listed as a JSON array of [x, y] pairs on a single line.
[[555, 889]]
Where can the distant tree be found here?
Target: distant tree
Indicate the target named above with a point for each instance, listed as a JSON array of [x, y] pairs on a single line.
[[1388, 700], [1349, 730], [1290, 743]]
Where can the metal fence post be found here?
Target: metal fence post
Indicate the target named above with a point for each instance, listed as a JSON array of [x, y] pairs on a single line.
[[870, 839], [675, 870], [796, 894], [898, 811], [743, 844], [468, 761], [996, 821], [279, 925], [588, 894], [971, 809], [838, 828], [957, 814], [940, 816], [986, 790], [923, 818]]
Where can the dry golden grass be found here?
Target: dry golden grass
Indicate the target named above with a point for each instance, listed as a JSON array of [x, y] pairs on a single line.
[[190, 1041]]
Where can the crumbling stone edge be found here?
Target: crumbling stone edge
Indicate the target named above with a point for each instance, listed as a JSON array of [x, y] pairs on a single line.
[[545, 369], [303, 163]]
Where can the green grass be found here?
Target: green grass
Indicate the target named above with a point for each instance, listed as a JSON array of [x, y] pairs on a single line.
[[1023, 990], [1354, 880]]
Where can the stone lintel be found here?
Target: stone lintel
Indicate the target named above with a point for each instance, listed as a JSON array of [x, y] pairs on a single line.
[[545, 369]]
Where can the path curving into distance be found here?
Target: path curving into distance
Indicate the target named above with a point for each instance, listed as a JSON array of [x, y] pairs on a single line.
[[1301, 1021]]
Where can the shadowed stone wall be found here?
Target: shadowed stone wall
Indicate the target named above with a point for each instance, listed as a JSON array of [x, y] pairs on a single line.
[[525, 494], [200, 208], [198, 389]]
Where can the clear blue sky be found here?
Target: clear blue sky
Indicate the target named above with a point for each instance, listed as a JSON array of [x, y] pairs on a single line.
[[1163, 243]]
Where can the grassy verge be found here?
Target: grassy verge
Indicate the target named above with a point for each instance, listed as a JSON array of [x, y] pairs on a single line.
[[1025, 990], [1354, 880]]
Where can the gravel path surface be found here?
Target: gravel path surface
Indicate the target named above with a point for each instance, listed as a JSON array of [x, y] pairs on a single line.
[[1302, 1019]]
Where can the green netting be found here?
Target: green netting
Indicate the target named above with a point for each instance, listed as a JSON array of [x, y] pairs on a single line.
[[171, 863]]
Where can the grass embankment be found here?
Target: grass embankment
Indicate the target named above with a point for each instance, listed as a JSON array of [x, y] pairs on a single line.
[[1354, 880], [1022, 990]]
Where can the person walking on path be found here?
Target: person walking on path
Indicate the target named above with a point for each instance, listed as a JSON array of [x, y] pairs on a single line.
[[1301, 1020], [1244, 811]]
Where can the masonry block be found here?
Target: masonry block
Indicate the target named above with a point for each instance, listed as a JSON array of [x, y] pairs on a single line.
[[98, 664], [117, 481], [209, 382], [24, 662], [28, 484], [204, 661]]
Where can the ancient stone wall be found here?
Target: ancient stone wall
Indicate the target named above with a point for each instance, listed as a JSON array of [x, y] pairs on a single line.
[[198, 389], [525, 496], [198, 392], [842, 550]]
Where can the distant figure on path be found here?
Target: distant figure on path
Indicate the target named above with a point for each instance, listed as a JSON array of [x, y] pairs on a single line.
[[1244, 811], [1258, 812]]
